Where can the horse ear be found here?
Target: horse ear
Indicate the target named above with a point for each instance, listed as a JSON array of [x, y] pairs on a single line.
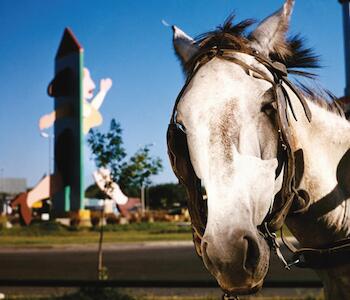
[[270, 35], [183, 44]]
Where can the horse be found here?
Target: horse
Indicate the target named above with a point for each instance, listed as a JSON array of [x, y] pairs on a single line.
[[266, 150]]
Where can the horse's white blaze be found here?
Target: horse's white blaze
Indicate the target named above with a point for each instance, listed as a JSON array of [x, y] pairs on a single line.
[[240, 195]]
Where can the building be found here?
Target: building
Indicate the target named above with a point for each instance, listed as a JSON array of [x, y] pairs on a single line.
[[9, 188]]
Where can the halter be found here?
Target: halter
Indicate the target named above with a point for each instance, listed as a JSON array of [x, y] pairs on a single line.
[[289, 200]]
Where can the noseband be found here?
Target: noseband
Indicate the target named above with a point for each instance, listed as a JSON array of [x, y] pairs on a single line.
[[289, 200]]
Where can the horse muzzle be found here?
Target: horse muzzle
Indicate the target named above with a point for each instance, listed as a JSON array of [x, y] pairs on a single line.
[[239, 263]]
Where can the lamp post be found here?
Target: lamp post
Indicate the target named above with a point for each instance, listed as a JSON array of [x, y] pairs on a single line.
[[346, 27], [1, 176], [49, 137], [2, 193]]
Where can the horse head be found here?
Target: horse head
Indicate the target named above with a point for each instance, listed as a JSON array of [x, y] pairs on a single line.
[[228, 114]]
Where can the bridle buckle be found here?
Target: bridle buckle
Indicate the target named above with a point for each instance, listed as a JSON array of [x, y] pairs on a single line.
[[271, 239]]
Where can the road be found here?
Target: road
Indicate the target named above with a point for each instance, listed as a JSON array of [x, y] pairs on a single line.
[[152, 261], [140, 261]]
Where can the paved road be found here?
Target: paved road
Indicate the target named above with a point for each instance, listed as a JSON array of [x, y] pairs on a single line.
[[151, 261]]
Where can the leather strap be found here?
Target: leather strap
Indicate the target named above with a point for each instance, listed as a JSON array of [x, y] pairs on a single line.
[[331, 256]]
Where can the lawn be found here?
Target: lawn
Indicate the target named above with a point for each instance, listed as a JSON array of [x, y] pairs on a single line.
[[48, 234]]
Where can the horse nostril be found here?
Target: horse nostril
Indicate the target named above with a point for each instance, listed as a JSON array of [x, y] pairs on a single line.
[[252, 255]]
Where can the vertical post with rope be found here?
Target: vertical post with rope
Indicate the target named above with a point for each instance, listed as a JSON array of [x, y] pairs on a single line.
[[101, 269], [143, 204]]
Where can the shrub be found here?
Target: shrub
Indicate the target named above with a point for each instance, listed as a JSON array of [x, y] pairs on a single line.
[[112, 219], [95, 218]]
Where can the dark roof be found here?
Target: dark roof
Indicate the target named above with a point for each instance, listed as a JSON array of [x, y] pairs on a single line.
[[13, 186]]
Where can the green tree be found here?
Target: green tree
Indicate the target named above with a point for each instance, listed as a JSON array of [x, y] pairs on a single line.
[[166, 195], [108, 152], [107, 148]]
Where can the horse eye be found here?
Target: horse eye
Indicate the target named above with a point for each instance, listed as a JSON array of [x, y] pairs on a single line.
[[268, 108], [257, 75], [253, 74]]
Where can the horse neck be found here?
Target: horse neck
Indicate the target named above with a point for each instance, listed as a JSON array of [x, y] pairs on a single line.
[[324, 142]]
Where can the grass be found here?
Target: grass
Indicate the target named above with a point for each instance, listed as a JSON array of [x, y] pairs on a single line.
[[48, 234], [114, 294]]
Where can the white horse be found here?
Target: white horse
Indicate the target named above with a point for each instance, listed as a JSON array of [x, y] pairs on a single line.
[[228, 112]]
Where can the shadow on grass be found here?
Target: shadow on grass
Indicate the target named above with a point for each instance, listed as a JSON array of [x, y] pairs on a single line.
[[94, 293], [114, 294], [91, 293], [107, 293]]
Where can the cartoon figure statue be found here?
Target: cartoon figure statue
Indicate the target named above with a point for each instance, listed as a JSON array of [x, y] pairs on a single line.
[[53, 183], [105, 183], [91, 114]]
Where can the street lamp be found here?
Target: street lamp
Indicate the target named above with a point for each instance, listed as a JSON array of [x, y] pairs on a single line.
[[346, 27]]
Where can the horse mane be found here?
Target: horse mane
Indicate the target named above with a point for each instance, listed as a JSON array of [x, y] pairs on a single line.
[[292, 52]]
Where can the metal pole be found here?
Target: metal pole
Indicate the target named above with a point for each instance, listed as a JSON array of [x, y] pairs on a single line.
[[50, 137], [2, 194], [346, 25], [1, 175]]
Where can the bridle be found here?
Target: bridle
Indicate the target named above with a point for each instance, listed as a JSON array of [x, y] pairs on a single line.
[[289, 200], [178, 148]]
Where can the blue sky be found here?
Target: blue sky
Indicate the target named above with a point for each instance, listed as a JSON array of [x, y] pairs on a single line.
[[125, 40]]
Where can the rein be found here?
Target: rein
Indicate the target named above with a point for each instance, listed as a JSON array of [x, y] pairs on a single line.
[[289, 200]]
